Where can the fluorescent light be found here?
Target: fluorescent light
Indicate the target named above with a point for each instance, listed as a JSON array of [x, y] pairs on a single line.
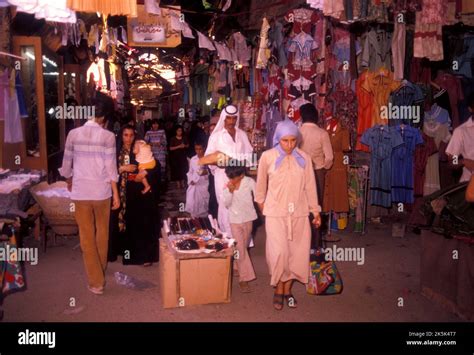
[[50, 61], [51, 111], [31, 56]]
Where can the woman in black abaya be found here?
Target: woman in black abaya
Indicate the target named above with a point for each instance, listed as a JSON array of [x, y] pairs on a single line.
[[135, 228]]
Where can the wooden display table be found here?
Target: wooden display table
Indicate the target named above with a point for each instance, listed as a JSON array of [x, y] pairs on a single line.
[[191, 279]]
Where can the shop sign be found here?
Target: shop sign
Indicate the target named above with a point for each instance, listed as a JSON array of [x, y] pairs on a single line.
[[150, 30], [148, 34]]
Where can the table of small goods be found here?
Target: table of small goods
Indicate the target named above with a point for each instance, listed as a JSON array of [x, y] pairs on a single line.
[[194, 236], [195, 262]]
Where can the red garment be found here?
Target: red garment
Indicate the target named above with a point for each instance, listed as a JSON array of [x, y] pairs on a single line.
[[433, 11], [293, 111], [420, 71], [453, 86], [294, 73], [422, 153], [345, 108], [302, 19], [364, 110]]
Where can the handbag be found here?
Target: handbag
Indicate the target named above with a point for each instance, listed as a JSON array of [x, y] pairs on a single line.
[[324, 278]]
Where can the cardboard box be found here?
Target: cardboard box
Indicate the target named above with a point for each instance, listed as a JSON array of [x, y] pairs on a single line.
[[189, 279]]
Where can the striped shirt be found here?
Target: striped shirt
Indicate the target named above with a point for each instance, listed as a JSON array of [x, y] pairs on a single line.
[[159, 146], [90, 158]]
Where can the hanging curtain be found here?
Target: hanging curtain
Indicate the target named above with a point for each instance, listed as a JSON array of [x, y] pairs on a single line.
[[107, 7]]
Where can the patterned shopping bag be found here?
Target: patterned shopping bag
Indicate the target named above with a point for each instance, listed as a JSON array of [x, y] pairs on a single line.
[[324, 278]]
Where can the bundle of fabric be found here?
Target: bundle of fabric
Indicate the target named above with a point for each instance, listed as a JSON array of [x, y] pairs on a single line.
[[50, 10]]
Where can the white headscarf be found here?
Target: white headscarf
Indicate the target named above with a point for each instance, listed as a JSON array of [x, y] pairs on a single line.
[[220, 141], [229, 110]]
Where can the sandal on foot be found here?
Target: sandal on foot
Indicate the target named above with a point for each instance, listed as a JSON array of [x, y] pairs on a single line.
[[244, 287], [278, 301], [291, 301]]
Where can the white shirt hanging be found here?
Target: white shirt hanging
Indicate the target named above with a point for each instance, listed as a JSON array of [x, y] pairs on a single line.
[[205, 42]]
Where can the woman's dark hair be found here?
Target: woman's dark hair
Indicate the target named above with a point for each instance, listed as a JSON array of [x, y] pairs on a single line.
[[127, 126], [155, 121], [120, 135], [178, 127], [234, 169], [99, 108], [309, 113], [103, 107]]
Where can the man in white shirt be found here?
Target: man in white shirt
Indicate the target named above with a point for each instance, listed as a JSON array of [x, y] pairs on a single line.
[[317, 144], [90, 165], [233, 142], [462, 144]]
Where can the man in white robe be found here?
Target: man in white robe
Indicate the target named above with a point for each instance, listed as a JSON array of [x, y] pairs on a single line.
[[233, 142]]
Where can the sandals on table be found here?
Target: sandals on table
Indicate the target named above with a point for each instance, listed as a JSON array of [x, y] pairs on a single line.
[[278, 301]]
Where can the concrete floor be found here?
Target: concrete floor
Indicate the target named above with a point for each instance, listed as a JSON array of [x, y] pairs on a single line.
[[371, 291]]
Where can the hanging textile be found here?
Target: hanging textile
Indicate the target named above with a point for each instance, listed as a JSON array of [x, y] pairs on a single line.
[[263, 51], [153, 7], [439, 133], [335, 190], [49, 10], [357, 189], [398, 49], [243, 52], [380, 85], [276, 38], [205, 42], [223, 52], [423, 153], [365, 102], [428, 30], [10, 109], [106, 7], [178, 25], [382, 140], [377, 52], [302, 19], [402, 164], [454, 89]]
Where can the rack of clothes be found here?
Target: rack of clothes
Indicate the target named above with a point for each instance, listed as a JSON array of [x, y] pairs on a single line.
[[358, 196]]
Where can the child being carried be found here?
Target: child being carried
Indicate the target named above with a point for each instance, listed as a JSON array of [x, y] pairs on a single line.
[[146, 161]]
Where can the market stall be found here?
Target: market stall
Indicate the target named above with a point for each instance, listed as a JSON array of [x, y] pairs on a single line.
[[195, 263]]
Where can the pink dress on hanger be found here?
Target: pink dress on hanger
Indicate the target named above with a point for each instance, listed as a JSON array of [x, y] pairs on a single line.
[[428, 30], [333, 8]]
